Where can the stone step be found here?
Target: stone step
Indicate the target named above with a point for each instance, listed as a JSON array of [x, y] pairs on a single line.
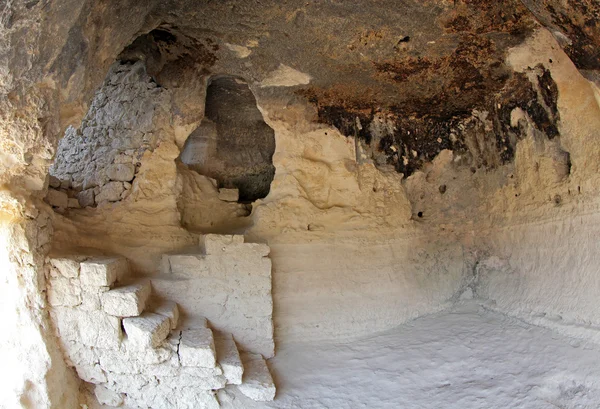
[[127, 301], [103, 271], [168, 309], [148, 330], [228, 357], [197, 348], [257, 383]]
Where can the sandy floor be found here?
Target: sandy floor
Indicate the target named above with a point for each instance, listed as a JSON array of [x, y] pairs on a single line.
[[466, 358]]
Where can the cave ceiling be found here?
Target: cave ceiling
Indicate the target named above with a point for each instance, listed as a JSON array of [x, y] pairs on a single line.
[[424, 69]]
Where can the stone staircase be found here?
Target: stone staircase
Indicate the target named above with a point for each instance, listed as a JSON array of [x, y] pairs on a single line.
[[130, 345]]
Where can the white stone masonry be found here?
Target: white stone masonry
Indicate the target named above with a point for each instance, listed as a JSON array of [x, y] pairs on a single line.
[[126, 301], [148, 330], [257, 383], [197, 348], [228, 358], [151, 364], [229, 282]]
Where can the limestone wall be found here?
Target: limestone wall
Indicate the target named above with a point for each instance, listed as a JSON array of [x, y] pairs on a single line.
[[357, 248], [98, 161], [117, 175], [136, 349], [348, 286], [229, 284], [546, 272], [536, 256], [54, 54]]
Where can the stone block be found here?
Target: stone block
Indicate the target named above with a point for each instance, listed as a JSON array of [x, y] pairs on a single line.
[[111, 192], [73, 203], [65, 184], [197, 348], [200, 371], [194, 377], [217, 243], [56, 198], [129, 383], [130, 360], [257, 383], [162, 396], [191, 398], [173, 340], [167, 368], [231, 288], [90, 373], [123, 158], [148, 330], [107, 397], [126, 301], [77, 354], [86, 198], [229, 195], [118, 362], [90, 298], [228, 358], [66, 267], [187, 265], [89, 182], [249, 249], [103, 271], [122, 172], [168, 309], [63, 291], [92, 328], [54, 182]]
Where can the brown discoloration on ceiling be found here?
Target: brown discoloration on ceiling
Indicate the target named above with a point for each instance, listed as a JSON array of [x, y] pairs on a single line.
[[438, 93], [429, 66], [483, 129], [488, 16], [576, 24]]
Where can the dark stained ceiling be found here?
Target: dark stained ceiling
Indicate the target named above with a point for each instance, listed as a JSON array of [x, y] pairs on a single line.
[[426, 66]]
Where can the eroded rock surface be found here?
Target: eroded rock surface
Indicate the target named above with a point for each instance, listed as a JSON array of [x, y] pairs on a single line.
[[413, 144], [103, 154], [135, 351]]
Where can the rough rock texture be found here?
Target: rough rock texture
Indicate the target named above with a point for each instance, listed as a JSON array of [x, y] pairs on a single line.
[[120, 126], [148, 330], [229, 195], [169, 309], [495, 124], [126, 301], [201, 208], [56, 198], [575, 25], [233, 144], [107, 397], [147, 365], [104, 271]]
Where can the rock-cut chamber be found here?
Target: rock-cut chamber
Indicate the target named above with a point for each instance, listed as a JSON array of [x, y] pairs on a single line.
[[233, 144]]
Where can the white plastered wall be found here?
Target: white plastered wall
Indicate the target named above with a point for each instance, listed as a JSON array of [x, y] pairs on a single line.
[[540, 255]]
